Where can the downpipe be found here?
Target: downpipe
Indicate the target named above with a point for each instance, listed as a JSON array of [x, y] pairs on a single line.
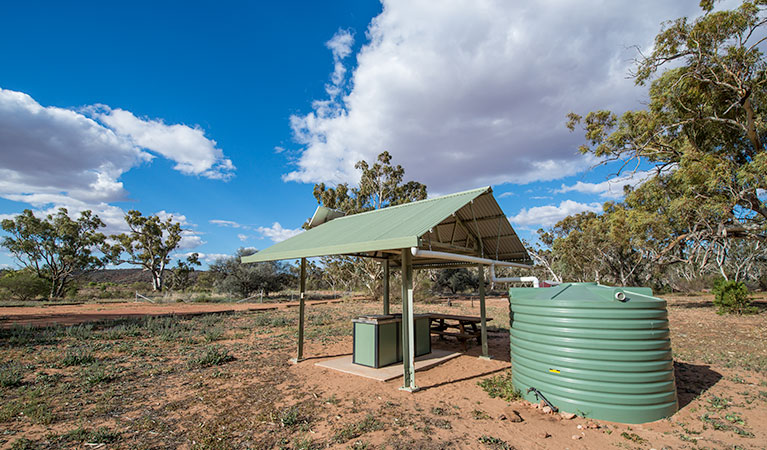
[[495, 279], [473, 259]]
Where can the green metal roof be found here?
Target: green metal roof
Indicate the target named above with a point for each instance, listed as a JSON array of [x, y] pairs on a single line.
[[408, 225]]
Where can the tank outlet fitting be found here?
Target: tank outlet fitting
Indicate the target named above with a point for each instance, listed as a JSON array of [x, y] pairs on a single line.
[[620, 296]]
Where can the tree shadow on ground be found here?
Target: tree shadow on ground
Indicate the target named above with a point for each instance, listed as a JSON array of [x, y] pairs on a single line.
[[760, 304], [498, 345], [308, 358], [692, 380], [694, 304], [458, 380]]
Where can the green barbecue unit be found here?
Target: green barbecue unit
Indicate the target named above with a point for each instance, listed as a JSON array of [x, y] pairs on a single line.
[[598, 351], [378, 339]]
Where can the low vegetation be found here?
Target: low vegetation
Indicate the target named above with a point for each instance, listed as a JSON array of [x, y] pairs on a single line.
[[732, 297], [500, 386], [132, 382]]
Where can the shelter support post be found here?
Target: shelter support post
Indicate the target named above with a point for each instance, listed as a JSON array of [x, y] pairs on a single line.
[[386, 287], [301, 307], [408, 333], [482, 311]]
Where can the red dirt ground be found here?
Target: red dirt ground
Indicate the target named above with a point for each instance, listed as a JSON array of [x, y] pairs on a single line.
[[93, 312], [718, 359]]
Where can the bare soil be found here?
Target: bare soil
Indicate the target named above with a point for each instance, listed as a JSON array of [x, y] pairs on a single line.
[[170, 382], [40, 316]]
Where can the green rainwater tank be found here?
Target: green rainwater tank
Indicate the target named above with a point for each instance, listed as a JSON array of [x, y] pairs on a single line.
[[597, 351]]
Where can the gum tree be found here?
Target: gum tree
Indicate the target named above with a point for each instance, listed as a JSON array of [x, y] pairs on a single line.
[[56, 248], [381, 185], [149, 244], [703, 129]]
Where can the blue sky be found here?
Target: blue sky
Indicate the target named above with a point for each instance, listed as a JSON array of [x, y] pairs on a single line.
[[225, 114]]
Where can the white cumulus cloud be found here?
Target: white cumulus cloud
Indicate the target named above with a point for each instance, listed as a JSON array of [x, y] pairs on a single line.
[[193, 153], [609, 189], [225, 223], [545, 216], [207, 258], [466, 93], [53, 157], [49, 154], [277, 233], [58, 156]]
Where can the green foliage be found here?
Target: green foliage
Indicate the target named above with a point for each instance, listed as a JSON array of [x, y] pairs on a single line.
[[500, 386], [179, 278], [291, 416], [244, 280], [78, 356], [456, 280], [56, 248], [723, 425], [149, 244], [732, 297], [23, 444], [357, 429], [381, 185], [495, 443], [212, 356], [23, 284], [98, 373], [633, 437], [11, 374], [703, 131]]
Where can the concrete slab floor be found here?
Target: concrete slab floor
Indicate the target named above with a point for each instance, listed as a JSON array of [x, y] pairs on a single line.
[[344, 364]]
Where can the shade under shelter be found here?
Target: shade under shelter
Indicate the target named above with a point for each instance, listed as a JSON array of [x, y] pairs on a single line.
[[458, 230]]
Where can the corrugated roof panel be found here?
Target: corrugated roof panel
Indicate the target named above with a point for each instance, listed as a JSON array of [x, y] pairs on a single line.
[[402, 226]]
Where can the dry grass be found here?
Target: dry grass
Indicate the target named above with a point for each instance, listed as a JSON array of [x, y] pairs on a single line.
[[222, 381]]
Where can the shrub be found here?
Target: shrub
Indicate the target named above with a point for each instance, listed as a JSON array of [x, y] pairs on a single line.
[[97, 374], [732, 297], [78, 357], [11, 374], [23, 285], [212, 356], [500, 386], [357, 429]]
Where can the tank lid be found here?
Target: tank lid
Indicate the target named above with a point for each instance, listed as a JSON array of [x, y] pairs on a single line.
[[579, 292]]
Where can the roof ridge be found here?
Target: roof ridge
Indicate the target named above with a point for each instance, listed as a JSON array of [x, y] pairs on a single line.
[[416, 202]]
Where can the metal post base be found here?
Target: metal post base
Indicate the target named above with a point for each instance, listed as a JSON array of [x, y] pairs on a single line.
[[296, 360], [410, 389], [486, 358]]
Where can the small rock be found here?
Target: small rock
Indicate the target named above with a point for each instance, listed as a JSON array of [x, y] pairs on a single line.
[[541, 404], [512, 415], [580, 427], [592, 425], [543, 435], [502, 417], [546, 409], [567, 415], [577, 436]]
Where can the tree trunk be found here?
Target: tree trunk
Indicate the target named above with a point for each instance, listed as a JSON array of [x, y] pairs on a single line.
[[156, 281]]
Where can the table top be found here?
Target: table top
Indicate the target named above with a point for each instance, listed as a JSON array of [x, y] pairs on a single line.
[[385, 318], [458, 317]]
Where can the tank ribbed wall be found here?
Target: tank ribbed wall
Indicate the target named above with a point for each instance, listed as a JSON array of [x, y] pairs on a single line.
[[591, 354]]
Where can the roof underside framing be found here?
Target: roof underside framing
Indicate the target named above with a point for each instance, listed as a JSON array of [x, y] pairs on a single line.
[[469, 223]]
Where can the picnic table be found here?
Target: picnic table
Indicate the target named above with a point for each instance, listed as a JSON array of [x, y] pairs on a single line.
[[463, 328]]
